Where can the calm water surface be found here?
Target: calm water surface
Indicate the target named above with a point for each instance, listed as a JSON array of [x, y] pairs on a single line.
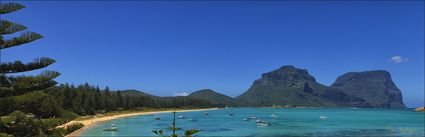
[[290, 122]]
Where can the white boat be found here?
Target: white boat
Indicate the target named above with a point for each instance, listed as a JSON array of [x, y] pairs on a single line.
[[252, 117], [274, 115], [260, 121], [194, 120], [265, 124], [112, 128], [182, 117], [245, 119], [323, 117]]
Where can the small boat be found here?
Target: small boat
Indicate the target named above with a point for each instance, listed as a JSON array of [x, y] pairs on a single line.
[[260, 121], [245, 119], [182, 117], [194, 120], [252, 117], [112, 128], [263, 124], [157, 118], [231, 114], [206, 114], [323, 117], [274, 116]]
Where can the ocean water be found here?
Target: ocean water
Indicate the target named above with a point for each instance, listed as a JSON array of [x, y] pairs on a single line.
[[290, 122]]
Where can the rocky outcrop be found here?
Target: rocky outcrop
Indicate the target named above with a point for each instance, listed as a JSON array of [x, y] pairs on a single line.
[[375, 87], [290, 86]]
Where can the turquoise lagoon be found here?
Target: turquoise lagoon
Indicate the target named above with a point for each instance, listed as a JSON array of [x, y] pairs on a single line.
[[290, 122]]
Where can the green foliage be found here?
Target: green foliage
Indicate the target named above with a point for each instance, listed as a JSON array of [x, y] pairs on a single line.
[[190, 132], [48, 107], [73, 127], [174, 128], [57, 132], [24, 38], [67, 115], [5, 135], [10, 7], [18, 66], [214, 97], [86, 100], [34, 106], [7, 27], [19, 124], [25, 94]]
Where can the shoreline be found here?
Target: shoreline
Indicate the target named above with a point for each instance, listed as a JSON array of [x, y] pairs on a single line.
[[97, 120]]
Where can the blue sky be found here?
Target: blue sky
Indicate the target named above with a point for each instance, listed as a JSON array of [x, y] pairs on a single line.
[[165, 48]]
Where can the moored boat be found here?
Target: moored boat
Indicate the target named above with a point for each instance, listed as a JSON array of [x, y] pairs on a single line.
[[112, 128], [194, 120]]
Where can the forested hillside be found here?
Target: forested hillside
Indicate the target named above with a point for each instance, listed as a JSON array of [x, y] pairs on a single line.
[[33, 106], [59, 104]]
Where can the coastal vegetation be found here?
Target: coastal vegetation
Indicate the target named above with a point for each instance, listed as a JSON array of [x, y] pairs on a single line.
[[38, 105], [34, 106], [16, 87]]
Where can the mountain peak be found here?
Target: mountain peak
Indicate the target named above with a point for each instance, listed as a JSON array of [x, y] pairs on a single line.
[[377, 88], [212, 96], [204, 90], [293, 86], [287, 67], [289, 73]]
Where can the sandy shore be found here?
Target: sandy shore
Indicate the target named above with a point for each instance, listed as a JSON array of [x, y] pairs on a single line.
[[92, 121]]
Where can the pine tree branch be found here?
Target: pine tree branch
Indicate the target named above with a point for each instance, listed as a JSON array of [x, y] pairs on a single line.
[[18, 66], [23, 39], [10, 7], [30, 80], [7, 27], [24, 84]]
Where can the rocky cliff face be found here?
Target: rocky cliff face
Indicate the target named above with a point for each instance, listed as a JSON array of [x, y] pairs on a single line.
[[214, 97], [290, 86], [375, 87]]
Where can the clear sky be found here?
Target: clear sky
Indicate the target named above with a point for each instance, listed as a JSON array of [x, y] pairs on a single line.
[[165, 48]]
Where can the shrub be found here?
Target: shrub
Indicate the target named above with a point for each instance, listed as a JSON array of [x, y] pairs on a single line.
[[68, 115], [57, 132], [71, 128]]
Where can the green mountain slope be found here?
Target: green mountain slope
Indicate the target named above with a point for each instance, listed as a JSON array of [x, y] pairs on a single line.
[[214, 97]]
